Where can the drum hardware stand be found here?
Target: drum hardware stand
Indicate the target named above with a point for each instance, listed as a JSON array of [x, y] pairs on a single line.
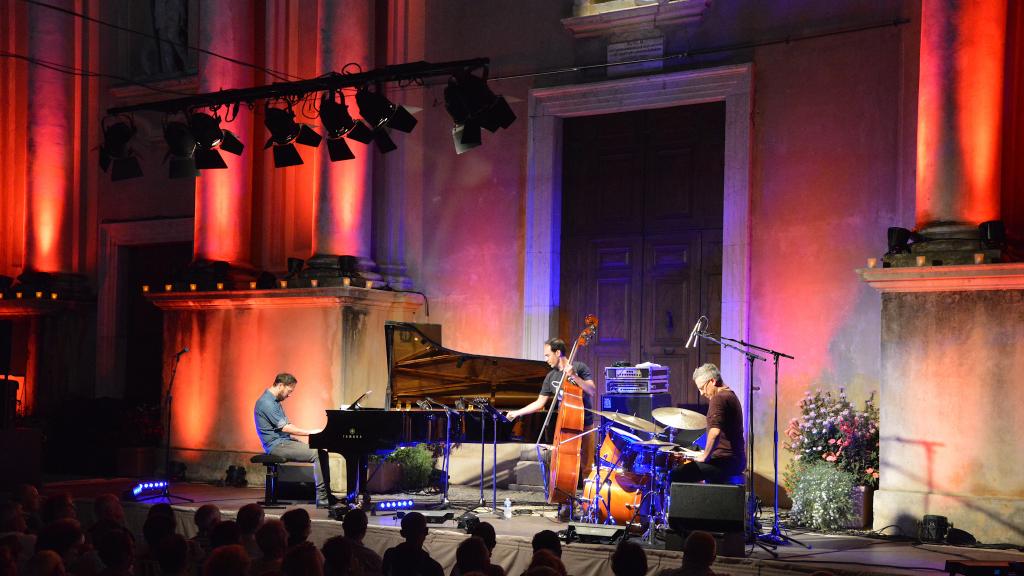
[[775, 536], [594, 510], [751, 526]]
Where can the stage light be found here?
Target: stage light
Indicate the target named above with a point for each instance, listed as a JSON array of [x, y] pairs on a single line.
[[209, 138], [147, 490], [285, 132], [993, 233], [382, 114], [115, 153], [338, 124], [181, 149], [472, 105], [387, 505], [898, 238]]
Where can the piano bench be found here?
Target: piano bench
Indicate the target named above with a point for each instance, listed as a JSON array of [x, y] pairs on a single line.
[[270, 491]]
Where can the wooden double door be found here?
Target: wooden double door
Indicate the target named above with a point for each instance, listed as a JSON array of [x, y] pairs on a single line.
[[642, 236]]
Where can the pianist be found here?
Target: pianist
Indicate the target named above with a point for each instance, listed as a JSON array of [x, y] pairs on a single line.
[[275, 432], [580, 374]]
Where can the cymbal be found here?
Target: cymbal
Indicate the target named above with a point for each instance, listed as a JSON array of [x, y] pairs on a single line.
[[680, 418], [629, 421], [656, 443]]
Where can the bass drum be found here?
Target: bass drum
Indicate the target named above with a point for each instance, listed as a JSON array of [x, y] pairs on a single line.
[[620, 495], [616, 449]]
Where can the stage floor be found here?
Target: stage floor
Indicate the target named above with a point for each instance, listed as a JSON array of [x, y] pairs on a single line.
[[840, 554]]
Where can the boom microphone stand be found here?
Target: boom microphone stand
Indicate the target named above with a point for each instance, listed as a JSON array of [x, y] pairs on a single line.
[[167, 445], [751, 527], [775, 536], [448, 411]]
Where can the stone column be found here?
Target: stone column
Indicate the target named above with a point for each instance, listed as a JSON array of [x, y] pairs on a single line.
[[959, 115], [224, 197], [49, 241], [343, 210]]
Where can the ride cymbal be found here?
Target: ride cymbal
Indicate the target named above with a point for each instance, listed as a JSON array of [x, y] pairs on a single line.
[[680, 418]]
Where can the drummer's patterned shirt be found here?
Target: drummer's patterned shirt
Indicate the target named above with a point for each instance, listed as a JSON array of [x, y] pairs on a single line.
[[555, 376]]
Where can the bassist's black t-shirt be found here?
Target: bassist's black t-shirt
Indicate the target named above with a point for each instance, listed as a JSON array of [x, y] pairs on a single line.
[[582, 373]]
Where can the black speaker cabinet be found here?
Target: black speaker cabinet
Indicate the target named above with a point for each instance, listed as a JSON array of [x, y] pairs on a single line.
[[708, 507], [295, 481], [5, 347], [640, 405]]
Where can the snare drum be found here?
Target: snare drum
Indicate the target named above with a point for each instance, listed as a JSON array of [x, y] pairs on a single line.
[[621, 494]]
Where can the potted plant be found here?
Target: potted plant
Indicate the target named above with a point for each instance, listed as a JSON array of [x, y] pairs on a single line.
[[835, 461], [416, 464]]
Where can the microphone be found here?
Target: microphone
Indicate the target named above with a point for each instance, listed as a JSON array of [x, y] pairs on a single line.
[[423, 404], [460, 404], [182, 351], [355, 405], [691, 342]]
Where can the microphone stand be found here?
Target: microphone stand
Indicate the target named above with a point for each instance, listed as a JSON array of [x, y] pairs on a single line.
[[167, 445], [447, 446], [775, 536], [751, 527]]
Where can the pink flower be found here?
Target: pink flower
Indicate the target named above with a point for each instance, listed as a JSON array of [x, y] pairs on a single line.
[[870, 470], [875, 475], [831, 457], [831, 440]]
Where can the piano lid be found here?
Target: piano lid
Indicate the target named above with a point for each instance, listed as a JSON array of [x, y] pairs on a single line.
[[419, 366]]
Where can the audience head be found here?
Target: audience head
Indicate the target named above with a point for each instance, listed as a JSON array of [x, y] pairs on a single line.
[[206, 517], [414, 528], [161, 509], [546, 558], [629, 559], [156, 528], [227, 561], [472, 555], [699, 550], [541, 571], [355, 523], [12, 519], [485, 531], [46, 563], [225, 533], [272, 539], [107, 507], [63, 536], [297, 523], [339, 556], [116, 548], [58, 506], [28, 496], [174, 555], [547, 540], [249, 518], [303, 559]]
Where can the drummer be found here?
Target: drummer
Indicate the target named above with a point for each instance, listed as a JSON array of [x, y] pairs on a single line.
[[578, 373], [724, 454]]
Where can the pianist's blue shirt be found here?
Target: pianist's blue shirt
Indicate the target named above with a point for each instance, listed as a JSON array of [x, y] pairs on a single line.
[[270, 419]]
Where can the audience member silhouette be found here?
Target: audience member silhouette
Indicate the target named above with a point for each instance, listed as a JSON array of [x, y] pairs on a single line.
[[354, 525], [409, 558], [629, 559], [298, 524], [227, 561], [547, 540]]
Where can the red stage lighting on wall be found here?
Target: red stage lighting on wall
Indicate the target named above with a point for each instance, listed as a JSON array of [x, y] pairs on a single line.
[[285, 132], [210, 138], [339, 125], [115, 153]]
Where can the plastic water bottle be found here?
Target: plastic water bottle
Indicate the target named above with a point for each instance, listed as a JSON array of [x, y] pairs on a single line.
[[508, 509]]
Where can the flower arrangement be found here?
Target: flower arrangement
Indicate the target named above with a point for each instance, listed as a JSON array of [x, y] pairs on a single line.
[[830, 429], [821, 497]]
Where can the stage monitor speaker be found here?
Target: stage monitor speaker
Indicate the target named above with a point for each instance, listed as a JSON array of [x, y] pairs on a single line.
[[295, 481], [708, 507], [594, 533], [432, 516], [639, 405]]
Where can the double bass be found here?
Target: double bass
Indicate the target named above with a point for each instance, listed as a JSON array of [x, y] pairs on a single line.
[[568, 431]]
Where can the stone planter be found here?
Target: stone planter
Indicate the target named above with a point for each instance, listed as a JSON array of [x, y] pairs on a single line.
[[862, 499], [383, 477]]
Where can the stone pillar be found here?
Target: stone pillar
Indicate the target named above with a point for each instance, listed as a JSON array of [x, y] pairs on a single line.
[[960, 104], [49, 239], [343, 210], [224, 197]]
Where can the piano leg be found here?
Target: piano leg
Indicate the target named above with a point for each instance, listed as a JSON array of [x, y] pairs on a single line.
[[355, 477]]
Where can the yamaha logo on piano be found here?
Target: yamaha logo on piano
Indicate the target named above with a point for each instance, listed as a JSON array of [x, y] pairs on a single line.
[[352, 434]]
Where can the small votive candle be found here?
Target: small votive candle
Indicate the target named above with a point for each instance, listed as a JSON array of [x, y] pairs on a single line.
[[53, 295], [145, 288], [220, 285], [921, 260], [314, 282], [17, 295], [252, 285], [192, 287], [167, 287], [284, 283], [979, 257], [872, 262], [39, 294], [369, 284], [346, 281]]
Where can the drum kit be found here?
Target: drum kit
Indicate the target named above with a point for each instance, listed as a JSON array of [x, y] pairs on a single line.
[[630, 478]]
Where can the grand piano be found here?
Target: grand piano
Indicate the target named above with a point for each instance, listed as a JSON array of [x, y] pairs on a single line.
[[421, 371]]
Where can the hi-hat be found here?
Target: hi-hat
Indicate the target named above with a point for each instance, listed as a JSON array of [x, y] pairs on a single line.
[[656, 443], [680, 418], [629, 421]]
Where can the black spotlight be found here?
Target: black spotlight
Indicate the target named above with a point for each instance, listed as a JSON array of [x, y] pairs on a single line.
[[339, 125], [898, 238], [381, 114], [115, 153], [181, 148], [472, 105], [993, 233], [209, 138], [285, 132]]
